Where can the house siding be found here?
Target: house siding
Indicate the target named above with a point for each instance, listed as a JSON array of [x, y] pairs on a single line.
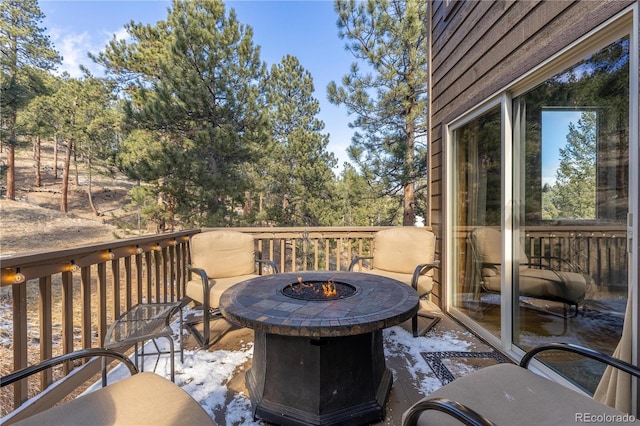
[[480, 47]]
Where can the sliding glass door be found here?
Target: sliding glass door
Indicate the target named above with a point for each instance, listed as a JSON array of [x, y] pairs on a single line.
[[477, 205], [538, 203]]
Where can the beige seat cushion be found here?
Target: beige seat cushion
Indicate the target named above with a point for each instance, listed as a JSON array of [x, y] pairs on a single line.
[[223, 254], [228, 257], [567, 287], [142, 399], [402, 248], [508, 394], [216, 287]]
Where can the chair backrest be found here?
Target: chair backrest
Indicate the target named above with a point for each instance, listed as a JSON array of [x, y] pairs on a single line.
[[487, 243], [223, 253], [402, 248]]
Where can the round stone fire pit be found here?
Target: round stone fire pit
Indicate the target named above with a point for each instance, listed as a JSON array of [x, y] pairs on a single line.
[[260, 304], [319, 360]]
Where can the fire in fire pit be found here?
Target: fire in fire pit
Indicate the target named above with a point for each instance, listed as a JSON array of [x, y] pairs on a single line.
[[318, 290]]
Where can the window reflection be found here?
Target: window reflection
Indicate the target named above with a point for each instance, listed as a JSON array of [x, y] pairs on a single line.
[[575, 149], [477, 203]]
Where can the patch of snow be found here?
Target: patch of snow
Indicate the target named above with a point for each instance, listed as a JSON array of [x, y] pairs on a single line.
[[400, 342], [205, 374]]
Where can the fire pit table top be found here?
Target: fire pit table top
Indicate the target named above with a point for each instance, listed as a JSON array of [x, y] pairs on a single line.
[[261, 304]]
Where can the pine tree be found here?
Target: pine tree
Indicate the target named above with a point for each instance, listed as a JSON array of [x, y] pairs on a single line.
[[35, 122], [358, 203], [300, 178], [574, 193], [84, 123], [194, 81], [388, 95], [25, 49]]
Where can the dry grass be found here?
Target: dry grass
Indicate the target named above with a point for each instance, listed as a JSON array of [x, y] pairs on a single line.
[[34, 223]]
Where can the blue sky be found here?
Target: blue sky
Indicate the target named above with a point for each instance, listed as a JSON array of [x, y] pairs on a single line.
[[555, 127], [303, 28]]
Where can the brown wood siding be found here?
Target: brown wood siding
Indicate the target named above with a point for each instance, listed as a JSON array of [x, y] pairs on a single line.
[[480, 47]]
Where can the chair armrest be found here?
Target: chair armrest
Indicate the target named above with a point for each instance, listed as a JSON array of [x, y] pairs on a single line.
[[581, 350], [205, 284], [84, 353], [453, 408], [201, 272], [271, 263], [356, 260], [419, 270]]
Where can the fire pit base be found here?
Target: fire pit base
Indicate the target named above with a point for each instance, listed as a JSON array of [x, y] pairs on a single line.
[[327, 381]]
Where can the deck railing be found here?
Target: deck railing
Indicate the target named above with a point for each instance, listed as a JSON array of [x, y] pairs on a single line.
[[60, 301], [597, 251], [64, 300], [600, 252]]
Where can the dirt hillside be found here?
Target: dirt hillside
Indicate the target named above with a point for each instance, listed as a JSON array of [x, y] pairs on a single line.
[[34, 221]]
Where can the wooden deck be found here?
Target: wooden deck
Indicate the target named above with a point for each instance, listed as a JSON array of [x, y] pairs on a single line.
[[406, 386]]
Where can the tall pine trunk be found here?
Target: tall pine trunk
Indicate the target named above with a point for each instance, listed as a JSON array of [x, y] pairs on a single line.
[[409, 216], [11, 158], [65, 178], [89, 189], [55, 158], [37, 157]]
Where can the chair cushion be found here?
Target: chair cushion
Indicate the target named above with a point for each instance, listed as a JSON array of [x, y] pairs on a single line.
[[142, 399], [488, 243], [425, 282], [223, 253], [216, 287], [508, 394], [402, 248], [567, 287]]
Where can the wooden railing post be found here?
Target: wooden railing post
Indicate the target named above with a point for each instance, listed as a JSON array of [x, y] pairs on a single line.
[[67, 315], [46, 335], [85, 295], [102, 302], [20, 352]]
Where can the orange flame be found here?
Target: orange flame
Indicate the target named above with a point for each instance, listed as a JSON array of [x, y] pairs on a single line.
[[329, 289]]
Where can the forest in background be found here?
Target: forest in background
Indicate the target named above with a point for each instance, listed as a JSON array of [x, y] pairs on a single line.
[[209, 134]]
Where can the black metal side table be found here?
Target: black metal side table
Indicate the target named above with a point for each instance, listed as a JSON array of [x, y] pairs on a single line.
[[141, 323]]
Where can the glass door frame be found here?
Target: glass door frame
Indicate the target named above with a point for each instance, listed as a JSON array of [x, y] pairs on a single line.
[[506, 326]]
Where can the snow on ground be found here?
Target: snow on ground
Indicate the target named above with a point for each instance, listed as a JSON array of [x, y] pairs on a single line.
[[401, 343], [205, 374]]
